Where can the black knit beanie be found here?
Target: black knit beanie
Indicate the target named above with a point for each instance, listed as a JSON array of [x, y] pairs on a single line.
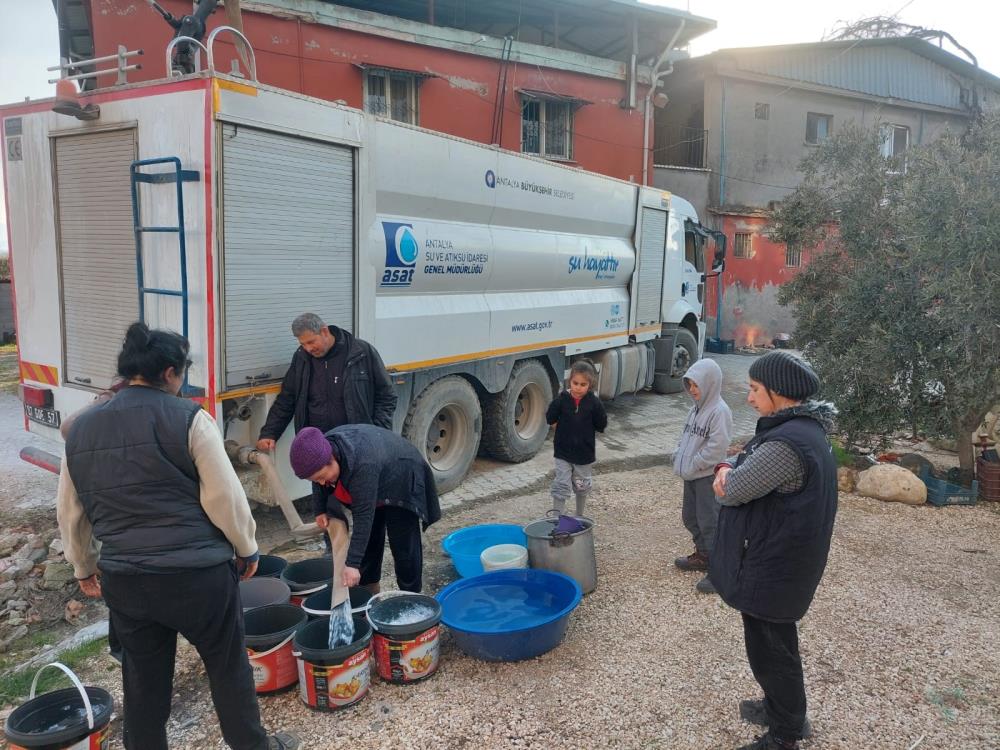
[[786, 375]]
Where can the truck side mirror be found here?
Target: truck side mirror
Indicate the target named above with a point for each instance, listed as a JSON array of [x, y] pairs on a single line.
[[719, 261]]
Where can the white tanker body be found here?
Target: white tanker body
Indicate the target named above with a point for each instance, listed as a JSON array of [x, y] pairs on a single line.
[[479, 274]]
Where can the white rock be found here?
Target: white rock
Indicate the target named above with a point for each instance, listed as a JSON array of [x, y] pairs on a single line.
[[892, 484]]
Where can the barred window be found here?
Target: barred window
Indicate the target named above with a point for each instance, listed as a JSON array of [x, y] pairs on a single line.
[[547, 128], [391, 94], [743, 245], [762, 111], [819, 127], [793, 256]]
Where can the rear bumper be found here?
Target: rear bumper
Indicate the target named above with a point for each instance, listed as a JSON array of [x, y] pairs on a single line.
[[41, 459]]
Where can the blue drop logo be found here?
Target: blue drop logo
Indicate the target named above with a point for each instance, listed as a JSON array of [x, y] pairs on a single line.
[[406, 246]]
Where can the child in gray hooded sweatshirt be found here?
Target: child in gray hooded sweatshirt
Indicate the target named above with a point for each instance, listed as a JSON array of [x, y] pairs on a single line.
[[704, 444]]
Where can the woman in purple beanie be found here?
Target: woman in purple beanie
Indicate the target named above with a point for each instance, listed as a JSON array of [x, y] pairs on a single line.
[[389, 488]]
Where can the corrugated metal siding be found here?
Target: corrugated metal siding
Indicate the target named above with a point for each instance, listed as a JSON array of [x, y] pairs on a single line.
[[288, 213], [652, 245], [878, 71], [96, 251]]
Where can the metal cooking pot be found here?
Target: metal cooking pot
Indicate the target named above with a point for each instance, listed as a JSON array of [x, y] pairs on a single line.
[[570, 553]]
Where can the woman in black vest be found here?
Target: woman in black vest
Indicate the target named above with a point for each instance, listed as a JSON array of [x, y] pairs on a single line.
[[779, 498], [146, 475]]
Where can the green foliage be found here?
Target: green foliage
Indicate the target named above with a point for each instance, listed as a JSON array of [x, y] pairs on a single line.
[[841, 454], [899, 309], [15, 686], [4, 268]]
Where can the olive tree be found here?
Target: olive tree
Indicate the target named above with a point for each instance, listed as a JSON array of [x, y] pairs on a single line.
[[900, 308]]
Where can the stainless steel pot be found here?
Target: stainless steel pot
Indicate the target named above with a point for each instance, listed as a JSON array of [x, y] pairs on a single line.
[[572, 554]]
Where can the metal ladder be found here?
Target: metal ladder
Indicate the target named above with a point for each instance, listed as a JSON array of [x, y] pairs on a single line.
[[178, 177]]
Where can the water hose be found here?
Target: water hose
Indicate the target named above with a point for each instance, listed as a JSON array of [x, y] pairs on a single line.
[[247, 455]]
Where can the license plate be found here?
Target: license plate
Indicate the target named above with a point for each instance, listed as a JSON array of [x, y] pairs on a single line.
[[47, 417]]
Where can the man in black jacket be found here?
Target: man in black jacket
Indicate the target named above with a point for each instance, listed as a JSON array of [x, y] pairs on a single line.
[[334, 379], [389, 488]]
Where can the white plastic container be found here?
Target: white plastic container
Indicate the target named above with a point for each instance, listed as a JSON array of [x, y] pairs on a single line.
[[503, 557]]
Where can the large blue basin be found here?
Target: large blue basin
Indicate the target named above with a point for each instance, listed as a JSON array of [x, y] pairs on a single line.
[[466, 545], [509, 615]]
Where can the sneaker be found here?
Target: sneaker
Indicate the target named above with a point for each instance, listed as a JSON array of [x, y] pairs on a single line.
[[768, 742], [694, 561], [755, 713], [704, 586], [283, 741]]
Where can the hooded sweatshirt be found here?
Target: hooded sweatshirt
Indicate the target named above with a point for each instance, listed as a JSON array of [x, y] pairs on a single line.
[[708, 427]]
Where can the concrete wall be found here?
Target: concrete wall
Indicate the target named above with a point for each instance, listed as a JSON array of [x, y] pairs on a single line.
[[691, 184], [6, 311], [757, 161]]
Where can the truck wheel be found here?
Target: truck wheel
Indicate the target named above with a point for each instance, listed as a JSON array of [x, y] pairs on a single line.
[[515, 425], [685, 354], [445, 423]]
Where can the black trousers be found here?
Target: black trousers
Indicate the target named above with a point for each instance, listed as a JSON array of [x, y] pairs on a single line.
[[773, 653], [147, 612], [403, 529]]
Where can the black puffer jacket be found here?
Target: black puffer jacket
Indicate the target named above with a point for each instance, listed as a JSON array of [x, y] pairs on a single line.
[[770, 553], [576, 425], [368, 394], [377, 467]]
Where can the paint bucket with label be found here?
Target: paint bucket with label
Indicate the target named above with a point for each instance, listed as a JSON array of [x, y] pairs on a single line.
[[406, 643], [318, 604], [269, 633], [270, 566], [306, 577], [75, 718], [333, 678], [262, 592]]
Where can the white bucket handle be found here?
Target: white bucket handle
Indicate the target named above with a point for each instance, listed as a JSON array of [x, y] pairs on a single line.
[[305, 592], [76, 683], [271, 650], [382, 594]]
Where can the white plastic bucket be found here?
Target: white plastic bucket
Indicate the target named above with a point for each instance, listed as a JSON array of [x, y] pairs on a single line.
[[504, 557]]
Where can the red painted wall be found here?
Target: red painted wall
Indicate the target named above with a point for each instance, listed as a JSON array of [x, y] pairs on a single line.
[[323, 61], [750, 313]]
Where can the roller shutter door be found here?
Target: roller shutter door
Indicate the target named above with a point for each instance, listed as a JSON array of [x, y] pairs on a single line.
[[96, 251], [650, 286], [288, 228]]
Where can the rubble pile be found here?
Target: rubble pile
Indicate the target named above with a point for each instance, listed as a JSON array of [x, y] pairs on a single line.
[[37, 585]]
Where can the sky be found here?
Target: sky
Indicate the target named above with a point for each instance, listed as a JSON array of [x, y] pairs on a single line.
[[29, 40]]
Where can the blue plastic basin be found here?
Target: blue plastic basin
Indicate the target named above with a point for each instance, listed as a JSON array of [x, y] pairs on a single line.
[[466, 545], [509, 615]]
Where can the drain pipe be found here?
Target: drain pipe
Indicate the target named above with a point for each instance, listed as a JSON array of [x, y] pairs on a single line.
[[654, 82], [246, 455]]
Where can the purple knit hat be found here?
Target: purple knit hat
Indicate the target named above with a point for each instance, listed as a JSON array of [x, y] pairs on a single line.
[[310, 452]]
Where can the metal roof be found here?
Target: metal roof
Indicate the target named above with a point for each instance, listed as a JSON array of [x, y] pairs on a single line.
[[602, 28], [903, 68]]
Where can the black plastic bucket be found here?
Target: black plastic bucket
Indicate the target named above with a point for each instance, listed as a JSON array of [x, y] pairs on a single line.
[[262, 592], [406, 651], [306, 577], [318, 604], [270, 566], [60, 719], [331, 679], [268, 633]]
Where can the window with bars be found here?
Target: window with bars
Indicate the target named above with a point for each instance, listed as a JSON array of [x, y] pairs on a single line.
[[818, 127], [762, 111], [743, 245], [793, 255], [391, 94], [547, 128]]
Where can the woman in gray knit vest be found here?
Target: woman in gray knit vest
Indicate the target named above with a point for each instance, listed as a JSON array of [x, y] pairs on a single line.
[[779, 499], [147, 476]]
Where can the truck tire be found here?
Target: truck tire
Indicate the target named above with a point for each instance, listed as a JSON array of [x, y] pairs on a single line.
[[685, 354], [514, 419], [445, 423]]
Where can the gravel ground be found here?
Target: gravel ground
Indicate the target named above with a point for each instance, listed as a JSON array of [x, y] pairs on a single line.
[[899, 646]]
